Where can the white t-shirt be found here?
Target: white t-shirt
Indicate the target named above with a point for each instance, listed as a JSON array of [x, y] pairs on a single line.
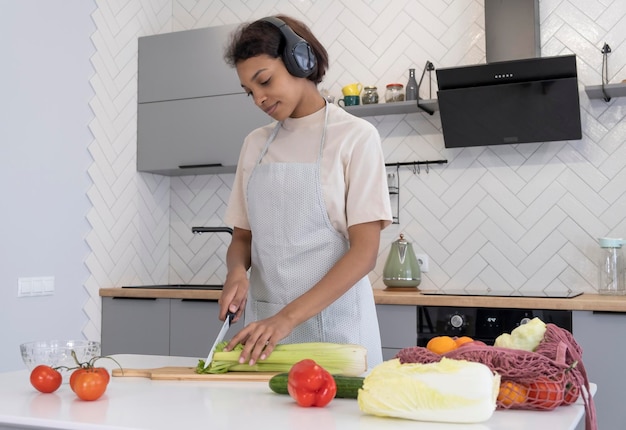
[[353, 175]]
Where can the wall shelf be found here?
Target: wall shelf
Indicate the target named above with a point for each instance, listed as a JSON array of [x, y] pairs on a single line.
[[429, 106], [612, 90]]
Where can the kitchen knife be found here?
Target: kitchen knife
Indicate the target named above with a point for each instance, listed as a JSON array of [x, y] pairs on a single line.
[[219, 338]]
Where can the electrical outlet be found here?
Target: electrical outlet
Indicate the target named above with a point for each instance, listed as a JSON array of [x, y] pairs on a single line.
[[422, 259], [37, 286]]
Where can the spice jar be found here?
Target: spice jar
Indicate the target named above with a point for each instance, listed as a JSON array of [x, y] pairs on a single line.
[[370, 95], [394, 93]]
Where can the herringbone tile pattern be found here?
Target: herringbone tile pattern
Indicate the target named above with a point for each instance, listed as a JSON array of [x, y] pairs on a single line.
[[130, 211], [512, 217]]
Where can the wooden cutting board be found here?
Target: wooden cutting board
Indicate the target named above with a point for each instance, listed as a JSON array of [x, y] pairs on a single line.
[[189, 374]]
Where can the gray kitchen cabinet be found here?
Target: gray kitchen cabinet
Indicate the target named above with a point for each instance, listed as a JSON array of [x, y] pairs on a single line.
[[192, 114], [181, 327], [398, 328], [600, 336], [185, 64], [194, 325], [195, 136], [135, 326]]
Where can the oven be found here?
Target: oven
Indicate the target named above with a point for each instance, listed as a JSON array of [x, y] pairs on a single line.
[[484, 324]]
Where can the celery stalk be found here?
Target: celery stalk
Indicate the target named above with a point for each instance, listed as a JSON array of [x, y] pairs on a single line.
[[338, 359]]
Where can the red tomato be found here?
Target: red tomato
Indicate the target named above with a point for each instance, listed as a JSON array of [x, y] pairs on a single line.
[[74, 375], [101, 370], [571, 393], [105, 373], [90, 384], [545, 393], [45, 379]]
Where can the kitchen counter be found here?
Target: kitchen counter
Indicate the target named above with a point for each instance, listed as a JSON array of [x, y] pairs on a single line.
[[583, 302], [140, 403]]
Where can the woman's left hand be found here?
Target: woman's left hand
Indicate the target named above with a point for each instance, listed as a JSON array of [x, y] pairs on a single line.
[[260, 337]]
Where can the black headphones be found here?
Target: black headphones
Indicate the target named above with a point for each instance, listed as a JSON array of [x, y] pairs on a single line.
[[298, 55]]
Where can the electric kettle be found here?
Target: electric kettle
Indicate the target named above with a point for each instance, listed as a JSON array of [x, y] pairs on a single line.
[[402, 268]]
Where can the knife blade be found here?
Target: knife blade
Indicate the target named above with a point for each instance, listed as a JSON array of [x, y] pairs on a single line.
[[219, 338]]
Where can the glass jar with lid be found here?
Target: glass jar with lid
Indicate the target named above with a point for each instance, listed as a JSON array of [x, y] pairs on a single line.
[[394, 93], [370, 95]]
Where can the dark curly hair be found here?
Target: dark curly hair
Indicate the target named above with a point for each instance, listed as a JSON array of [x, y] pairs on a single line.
[[260, 37]]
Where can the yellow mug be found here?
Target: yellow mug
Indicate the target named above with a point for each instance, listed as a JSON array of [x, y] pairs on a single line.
[[352, 89]]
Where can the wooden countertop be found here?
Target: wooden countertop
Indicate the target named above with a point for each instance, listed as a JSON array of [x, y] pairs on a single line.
[[584, 302]]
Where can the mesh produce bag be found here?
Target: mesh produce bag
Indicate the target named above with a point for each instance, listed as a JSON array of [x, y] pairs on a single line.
[[539, 380]]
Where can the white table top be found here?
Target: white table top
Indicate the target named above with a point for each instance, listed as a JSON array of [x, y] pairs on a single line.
[[140, 403]]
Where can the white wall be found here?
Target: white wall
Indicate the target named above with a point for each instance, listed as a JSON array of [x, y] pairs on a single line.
[[44, 113]]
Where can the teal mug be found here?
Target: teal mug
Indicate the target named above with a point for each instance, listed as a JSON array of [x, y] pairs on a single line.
[[349, 101]]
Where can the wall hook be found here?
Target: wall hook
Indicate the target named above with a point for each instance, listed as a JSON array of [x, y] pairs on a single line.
[[606, 49]]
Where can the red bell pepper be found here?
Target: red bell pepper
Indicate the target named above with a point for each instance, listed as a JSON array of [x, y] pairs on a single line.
[[309, 384]]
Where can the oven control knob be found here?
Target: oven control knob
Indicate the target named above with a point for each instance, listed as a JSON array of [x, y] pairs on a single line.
[[456, 321]]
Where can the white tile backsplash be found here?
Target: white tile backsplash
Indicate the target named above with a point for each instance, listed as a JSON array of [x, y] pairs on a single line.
[[502, 218], [503, 241]]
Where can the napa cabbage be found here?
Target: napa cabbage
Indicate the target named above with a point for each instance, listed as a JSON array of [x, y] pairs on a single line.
[[455, 391]]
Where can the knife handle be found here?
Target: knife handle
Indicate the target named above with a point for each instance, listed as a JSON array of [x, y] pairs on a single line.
[[229, 316]]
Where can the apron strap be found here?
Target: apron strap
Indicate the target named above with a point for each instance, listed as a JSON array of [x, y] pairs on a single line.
[[319, 156], [269, 140]]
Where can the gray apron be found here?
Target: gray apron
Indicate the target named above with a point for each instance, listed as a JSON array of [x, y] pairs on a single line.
[[294, 245]]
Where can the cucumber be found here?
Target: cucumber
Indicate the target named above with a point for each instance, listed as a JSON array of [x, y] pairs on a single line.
[[347, 386]]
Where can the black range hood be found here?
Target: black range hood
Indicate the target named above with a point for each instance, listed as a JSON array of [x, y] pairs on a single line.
[[517, 96], [509, 102]]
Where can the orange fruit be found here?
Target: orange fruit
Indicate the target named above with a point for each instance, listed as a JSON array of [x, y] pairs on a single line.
[[441, 344], [463, 340], [512, 393]]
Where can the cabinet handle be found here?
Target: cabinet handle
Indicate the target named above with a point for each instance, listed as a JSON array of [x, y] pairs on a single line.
[[195, 166], [195, 230], [198, 300], [607, 312], [134, 298]]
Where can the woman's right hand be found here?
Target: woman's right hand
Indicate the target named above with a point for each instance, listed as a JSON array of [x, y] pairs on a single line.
[[234, 294], [235, 290]]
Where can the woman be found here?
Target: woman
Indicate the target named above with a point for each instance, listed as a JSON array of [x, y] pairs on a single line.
[[308, 203]]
